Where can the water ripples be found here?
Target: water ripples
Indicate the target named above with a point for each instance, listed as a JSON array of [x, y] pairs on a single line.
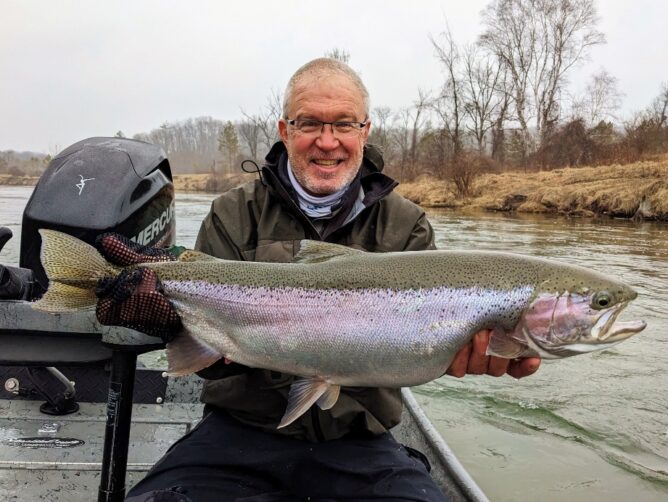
[[612, 402]]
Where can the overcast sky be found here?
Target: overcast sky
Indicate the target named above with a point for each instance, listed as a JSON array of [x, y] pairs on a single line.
[[75, 69]]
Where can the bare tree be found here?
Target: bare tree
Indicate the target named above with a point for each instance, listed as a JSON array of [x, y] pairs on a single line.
[[410, 127], [658, 110], [270, 116], [400, 137], [196, 136], [449, 104], [481, 93], [647, 131], [263, 124], [600, 101], [381, 118], [420, 107], [505, 92], [338, 54], [249, 132], [538, 42]]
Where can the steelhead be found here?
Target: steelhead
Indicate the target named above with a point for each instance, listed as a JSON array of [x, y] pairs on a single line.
[[343, 317]]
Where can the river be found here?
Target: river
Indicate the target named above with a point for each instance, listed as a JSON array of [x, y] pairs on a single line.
[[593, 427]]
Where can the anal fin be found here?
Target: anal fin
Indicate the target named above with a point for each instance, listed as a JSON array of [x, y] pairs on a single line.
[[303, 393], [329, 398]]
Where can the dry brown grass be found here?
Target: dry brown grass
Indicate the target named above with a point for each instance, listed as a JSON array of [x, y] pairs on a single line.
[[208, 183], [8, 179], [617, 190], [190, 182], [428, 192]]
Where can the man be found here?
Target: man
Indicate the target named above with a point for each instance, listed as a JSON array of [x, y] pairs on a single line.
[[322, 181]]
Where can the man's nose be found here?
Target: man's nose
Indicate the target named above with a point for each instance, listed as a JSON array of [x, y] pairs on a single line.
[[326, 139]]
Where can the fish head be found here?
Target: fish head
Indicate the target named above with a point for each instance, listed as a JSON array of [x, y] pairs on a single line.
[[563, 324], [572, 311]]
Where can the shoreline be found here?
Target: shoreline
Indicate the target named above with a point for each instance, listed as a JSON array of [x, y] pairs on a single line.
[[632, 191], [636, 191]]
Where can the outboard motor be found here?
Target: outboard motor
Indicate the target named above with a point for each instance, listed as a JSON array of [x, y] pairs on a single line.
[[100, 185], [95, 186]]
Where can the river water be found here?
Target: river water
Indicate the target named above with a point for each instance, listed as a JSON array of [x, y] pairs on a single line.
[[592, 427]]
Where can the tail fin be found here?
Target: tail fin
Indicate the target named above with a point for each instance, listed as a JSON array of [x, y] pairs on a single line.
[[73, 268]]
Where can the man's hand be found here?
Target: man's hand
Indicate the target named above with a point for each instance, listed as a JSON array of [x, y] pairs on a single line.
[[471, 359], [120, 250], [135, 299]]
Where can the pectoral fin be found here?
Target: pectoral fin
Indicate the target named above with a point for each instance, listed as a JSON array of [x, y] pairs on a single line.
[[501, 344], [186, 355], [303, 393]]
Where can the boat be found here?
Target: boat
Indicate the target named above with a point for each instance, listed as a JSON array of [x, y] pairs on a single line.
[[79, 420]]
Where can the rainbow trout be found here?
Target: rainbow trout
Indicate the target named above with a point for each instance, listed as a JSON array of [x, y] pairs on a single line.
[[342, 317]]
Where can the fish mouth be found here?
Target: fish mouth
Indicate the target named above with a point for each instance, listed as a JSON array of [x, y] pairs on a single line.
[[608, 329]]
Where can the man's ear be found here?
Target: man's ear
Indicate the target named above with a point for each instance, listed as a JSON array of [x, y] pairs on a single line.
[[366, 131], [283, 130]]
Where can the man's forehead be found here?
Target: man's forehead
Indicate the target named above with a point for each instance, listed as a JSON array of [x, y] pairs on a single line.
[[327, 84], [327, 89]]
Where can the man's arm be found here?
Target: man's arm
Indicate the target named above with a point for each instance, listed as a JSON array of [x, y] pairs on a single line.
[[472, 358], [214, 239]]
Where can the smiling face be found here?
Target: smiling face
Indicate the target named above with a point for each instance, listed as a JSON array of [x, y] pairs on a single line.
[[322, 162]]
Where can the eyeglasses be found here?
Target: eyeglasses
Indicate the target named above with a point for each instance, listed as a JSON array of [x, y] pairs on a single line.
[[339, 128]]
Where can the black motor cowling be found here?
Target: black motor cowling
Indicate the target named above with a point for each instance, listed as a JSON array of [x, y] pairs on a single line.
[[101, 185]]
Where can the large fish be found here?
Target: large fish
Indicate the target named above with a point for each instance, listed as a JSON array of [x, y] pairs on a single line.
[[338, 316]]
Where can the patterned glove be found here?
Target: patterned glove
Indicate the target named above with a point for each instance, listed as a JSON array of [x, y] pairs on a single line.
[[135, 299], [120, 250]]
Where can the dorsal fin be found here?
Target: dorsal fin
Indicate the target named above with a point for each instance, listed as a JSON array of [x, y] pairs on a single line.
[[318, 251], [192, 255]]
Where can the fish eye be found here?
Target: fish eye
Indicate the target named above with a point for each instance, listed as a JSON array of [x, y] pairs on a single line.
[[601, 300]]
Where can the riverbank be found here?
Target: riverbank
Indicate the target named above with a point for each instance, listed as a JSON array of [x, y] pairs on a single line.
[[8, 179], [637, 190], [633, 190], [182, 182]]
